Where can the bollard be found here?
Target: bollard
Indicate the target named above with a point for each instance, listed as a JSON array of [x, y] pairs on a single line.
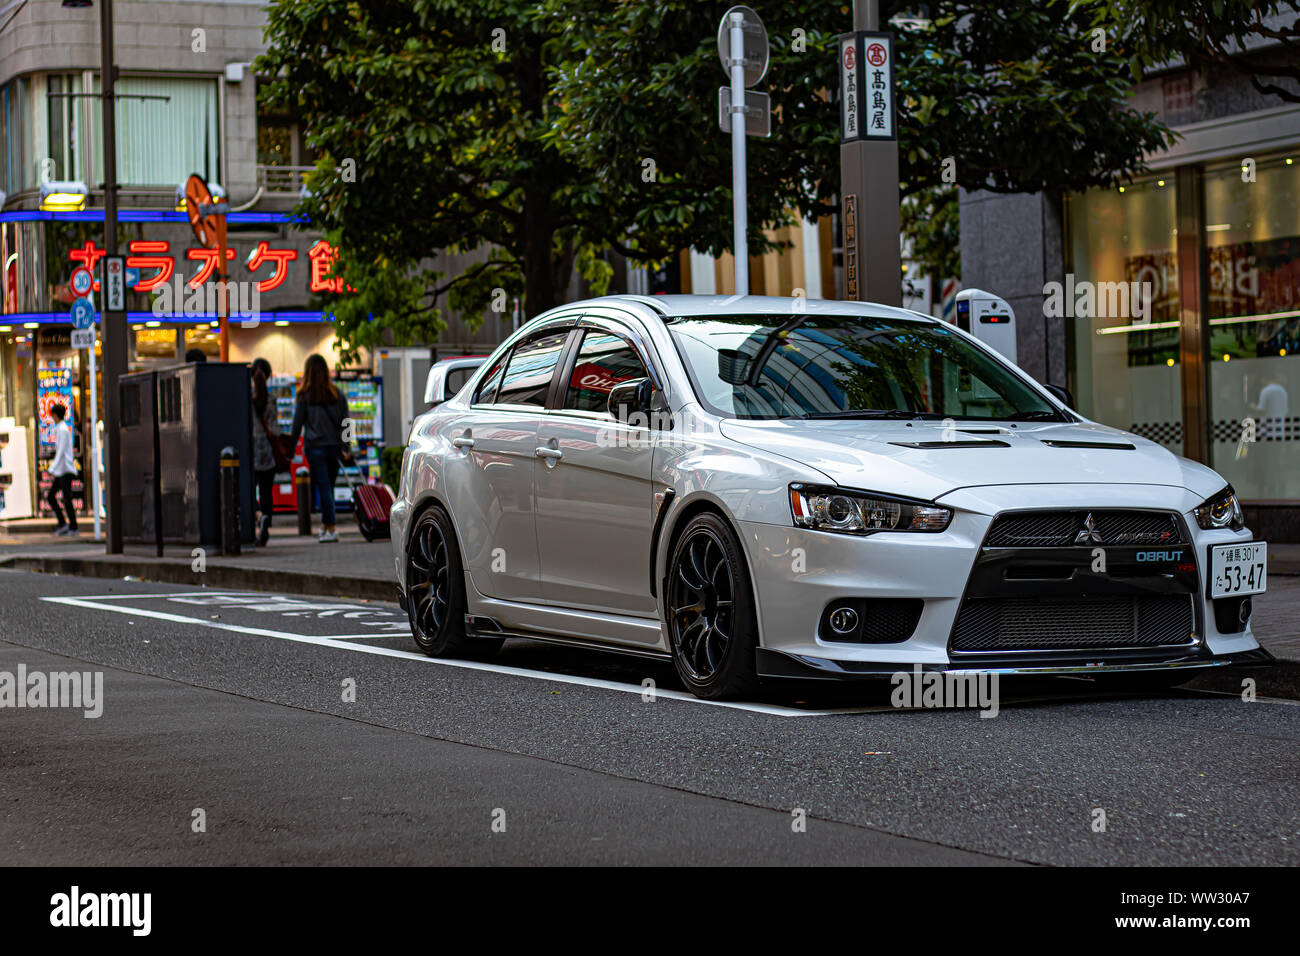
[[303, 482], [230, 523]]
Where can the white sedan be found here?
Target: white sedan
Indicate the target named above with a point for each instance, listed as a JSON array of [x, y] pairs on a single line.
[[773, 488]]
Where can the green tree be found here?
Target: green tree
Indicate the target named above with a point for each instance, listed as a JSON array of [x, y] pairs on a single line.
[[1020, 97], [545, 132], [443, 109], [1206, 33]]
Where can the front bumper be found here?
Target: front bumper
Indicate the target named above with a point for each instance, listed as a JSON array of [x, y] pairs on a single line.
[[779, 664], [798, 573]]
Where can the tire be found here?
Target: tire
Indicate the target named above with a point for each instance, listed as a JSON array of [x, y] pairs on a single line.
[[709, 611], [435, 591]]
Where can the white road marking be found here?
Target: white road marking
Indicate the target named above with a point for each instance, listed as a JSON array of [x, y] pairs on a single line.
[[321, 641], [333, 640]]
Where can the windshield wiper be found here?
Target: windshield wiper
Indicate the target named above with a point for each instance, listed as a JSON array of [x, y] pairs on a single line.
[[871, 413], [1039, 416]]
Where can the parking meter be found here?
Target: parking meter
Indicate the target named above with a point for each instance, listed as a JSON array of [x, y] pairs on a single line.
[[989, 318]]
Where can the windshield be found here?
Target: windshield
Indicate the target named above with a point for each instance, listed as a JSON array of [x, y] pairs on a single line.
[[752, 366]]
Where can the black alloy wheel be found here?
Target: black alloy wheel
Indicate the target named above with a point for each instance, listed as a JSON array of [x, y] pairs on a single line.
[[435, 590], [710, 611]]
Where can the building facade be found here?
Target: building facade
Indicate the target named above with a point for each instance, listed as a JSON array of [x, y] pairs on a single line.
[[1170, 306], [187, 103]]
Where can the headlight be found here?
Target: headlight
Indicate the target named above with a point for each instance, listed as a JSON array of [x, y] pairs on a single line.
[[1221, 511], [853, 512]]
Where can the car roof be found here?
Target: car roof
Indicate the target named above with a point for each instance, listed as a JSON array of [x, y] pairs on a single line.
[[681, 306]]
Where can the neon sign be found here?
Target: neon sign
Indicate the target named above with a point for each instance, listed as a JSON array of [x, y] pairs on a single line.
[[154, 259]]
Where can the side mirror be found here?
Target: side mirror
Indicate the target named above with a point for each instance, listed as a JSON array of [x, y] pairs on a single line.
[[635, 396], [433, 390], [1063, 393]]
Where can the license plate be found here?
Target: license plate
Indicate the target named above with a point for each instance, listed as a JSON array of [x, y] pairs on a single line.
[[1238, 569]]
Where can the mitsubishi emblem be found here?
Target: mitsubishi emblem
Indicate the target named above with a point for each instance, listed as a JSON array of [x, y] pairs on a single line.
[[1089, 533]]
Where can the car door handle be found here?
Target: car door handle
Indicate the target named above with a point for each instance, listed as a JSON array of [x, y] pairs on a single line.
[[463, 442], [553, 454]]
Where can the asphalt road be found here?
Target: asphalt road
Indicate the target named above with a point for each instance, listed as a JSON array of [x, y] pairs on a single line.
[[239, 705]]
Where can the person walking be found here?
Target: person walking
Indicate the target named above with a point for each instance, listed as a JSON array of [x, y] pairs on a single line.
[[62, 471], [318, 416], [266, 461]]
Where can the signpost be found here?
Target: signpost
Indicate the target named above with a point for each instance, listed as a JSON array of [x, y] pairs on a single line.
[[744, 51], [208, 222], [869, 160], [115, 283], [82, 281], [83, 337], [758, 112]]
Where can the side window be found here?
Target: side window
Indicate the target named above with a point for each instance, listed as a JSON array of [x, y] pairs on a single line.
[[604, 360], [530, 369], [487, 389], [456, 379]]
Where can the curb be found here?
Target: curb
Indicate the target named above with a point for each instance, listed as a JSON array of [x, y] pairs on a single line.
[[216, 576]]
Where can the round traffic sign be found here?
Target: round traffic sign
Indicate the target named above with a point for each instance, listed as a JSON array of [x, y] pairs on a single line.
[[82, 280], [198, 204], [755, 46], [83, 314]]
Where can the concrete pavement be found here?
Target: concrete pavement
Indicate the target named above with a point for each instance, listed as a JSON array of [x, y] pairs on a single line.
[[247, 706]]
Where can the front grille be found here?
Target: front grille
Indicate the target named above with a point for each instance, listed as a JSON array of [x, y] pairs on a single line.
[[1060, 529], [1068, 623]]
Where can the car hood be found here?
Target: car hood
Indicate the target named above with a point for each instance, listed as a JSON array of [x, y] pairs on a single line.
[[922, 459]]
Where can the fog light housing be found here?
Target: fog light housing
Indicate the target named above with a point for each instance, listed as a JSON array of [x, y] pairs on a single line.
[[843, 620]]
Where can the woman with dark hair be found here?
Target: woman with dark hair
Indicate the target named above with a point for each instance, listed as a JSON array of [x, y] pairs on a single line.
[[318, 416], [264, 465]]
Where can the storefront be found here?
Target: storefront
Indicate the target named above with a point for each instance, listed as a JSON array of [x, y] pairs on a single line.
[[277, 278], [1211, 368]]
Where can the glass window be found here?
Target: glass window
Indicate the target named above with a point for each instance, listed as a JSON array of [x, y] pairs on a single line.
[[604, 360], [1126, 364], [833, 366], [530, 370], [206, 339], [62, 127], [155, 344], [456, 379], [1252, 238], [488, 388], [161, 142]]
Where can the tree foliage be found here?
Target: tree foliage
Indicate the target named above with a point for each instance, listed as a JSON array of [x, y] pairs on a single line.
[[1205, 33], [541, 133]]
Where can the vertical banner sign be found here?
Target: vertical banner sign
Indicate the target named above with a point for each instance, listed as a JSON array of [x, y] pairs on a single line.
[[851, 246], [867, 86], [878, 64], [115, 284], [850, 90]]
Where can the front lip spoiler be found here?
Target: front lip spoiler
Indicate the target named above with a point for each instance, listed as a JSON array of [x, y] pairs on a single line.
[[801, 666]]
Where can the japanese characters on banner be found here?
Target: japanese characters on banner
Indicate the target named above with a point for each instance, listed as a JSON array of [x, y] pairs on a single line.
[[866, 65], [267, 265]]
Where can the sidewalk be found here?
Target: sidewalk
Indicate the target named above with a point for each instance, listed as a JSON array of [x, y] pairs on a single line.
[[297, 564]]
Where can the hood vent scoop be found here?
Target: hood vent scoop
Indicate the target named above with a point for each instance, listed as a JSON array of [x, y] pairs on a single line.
[[964, 443], [1066, 443]]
